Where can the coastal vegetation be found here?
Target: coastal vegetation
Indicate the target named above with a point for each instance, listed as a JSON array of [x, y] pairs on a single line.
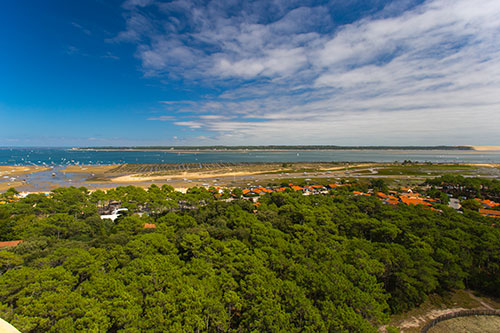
[[460, 186], [211, 260]]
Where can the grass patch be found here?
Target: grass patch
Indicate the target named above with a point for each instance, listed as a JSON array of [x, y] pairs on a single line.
[[422, 170], [363, 172], [97, 179]]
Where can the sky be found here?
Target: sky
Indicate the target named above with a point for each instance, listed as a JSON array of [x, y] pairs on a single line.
[[340, 72]]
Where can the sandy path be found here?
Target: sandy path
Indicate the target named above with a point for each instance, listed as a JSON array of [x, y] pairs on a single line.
[[486, 305]]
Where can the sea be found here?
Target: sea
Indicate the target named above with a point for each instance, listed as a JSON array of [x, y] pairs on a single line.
[[65, 156]]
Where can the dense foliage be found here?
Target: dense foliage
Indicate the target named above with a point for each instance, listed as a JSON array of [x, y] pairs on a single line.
[[470, 187], [294, 262]]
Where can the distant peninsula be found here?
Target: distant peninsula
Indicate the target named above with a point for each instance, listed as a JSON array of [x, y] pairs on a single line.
[[275, 147]]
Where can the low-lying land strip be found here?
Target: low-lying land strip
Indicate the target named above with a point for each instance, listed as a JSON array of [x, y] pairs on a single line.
[[184, 175], [361, 248], [279, 147]]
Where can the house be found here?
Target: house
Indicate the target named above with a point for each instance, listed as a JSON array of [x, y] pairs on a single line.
[[114, 215], [414, 201], [10, 243], [360, 193], [332, 186], [109, 207], [487, 203], [382, 195], [489, 212]]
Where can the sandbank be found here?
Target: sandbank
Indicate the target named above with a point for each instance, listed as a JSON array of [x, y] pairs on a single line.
[[486, 148], [4, 186], [88, 168], [225, 172], [9, 170]]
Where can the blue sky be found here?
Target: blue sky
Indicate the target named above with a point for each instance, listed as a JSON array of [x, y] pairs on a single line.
[[150, 72]]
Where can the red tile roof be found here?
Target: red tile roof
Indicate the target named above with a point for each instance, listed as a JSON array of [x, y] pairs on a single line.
[[489, 212], [10, 243], [360, 193], [337, 185], [414, 201], [149, 226], [488, 203]]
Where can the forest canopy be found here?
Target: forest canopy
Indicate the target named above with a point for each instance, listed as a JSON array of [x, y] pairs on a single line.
[[293, 262]]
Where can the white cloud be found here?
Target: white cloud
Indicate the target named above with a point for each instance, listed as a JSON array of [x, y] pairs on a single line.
[[190, 124], [430, 74]]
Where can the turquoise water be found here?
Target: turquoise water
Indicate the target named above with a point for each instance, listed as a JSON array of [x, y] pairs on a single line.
[[61, 156]]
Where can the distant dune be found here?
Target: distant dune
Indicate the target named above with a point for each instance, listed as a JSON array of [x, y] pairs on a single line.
[[481, 148]]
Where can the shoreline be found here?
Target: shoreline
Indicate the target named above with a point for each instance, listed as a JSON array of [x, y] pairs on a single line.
[[197, 150]]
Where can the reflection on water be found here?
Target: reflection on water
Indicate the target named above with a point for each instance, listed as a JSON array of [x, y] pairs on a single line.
[[42, 180]]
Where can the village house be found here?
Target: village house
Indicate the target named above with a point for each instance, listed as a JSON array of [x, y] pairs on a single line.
[[10, 243], [487, 203], [489, 212]]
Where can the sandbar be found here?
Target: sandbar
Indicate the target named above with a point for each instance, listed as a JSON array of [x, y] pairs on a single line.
[[223, 172], [486, 148], [9, 170], [88, 168]]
